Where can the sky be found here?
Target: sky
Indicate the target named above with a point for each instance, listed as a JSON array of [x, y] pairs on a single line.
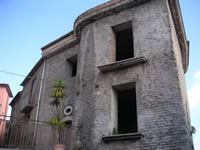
[[28, 25]]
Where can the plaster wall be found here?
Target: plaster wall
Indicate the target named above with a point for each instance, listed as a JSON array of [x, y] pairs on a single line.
[[4, 101]]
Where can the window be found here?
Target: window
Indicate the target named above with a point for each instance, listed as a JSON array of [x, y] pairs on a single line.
[[73, 65], [33, 88], [74, 69], [123, 41], [126, 109]]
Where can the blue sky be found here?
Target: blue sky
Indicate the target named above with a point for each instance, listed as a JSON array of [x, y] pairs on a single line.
[[28, 25]]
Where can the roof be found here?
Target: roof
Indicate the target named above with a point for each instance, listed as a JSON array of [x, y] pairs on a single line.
[[7, 88], [15, 99]]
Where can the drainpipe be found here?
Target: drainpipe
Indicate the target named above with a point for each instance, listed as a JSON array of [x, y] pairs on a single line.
[[38, 104]]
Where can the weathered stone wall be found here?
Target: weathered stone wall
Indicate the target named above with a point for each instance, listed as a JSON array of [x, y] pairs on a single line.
[[182, 83], [26, 92], [159, 83], [160, 86], [26, 125], [57, 67]]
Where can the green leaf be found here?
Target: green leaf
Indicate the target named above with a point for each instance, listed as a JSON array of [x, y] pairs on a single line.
[[56, 122]]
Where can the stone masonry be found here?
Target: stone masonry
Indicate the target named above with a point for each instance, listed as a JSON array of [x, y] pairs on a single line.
[[156, 71]]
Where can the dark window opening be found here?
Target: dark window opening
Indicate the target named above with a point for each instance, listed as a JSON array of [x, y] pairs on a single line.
[[124, 41], [73, 65], [33, 89], [74, 69], [127, 113]]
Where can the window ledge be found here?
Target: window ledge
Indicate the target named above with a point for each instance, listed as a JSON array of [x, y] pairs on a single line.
[[122, 64], [122, 137]]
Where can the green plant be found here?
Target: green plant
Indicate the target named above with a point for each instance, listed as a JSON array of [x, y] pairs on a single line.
[[115, 131], [193, 130], [58, 93]]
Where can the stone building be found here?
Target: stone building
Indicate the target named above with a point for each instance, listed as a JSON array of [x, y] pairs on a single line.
[[124, 64]]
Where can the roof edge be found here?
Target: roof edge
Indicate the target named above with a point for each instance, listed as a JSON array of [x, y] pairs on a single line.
[[180, 31], [15, 98], [93, 14], [30, 74], [57, 40], [103, 10], [7, 88]]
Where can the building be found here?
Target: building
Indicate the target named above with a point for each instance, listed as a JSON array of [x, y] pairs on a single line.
[[5, 95], [124, 64]]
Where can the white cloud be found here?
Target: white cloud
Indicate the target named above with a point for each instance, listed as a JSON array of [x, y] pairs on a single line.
[[197, 75], [194, 93]]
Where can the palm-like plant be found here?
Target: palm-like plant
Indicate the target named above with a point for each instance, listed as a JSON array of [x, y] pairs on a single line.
[[58, 93], [58, 125]]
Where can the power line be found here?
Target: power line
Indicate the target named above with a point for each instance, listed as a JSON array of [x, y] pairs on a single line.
[[11, 73], [26, 77], [20, 75]]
